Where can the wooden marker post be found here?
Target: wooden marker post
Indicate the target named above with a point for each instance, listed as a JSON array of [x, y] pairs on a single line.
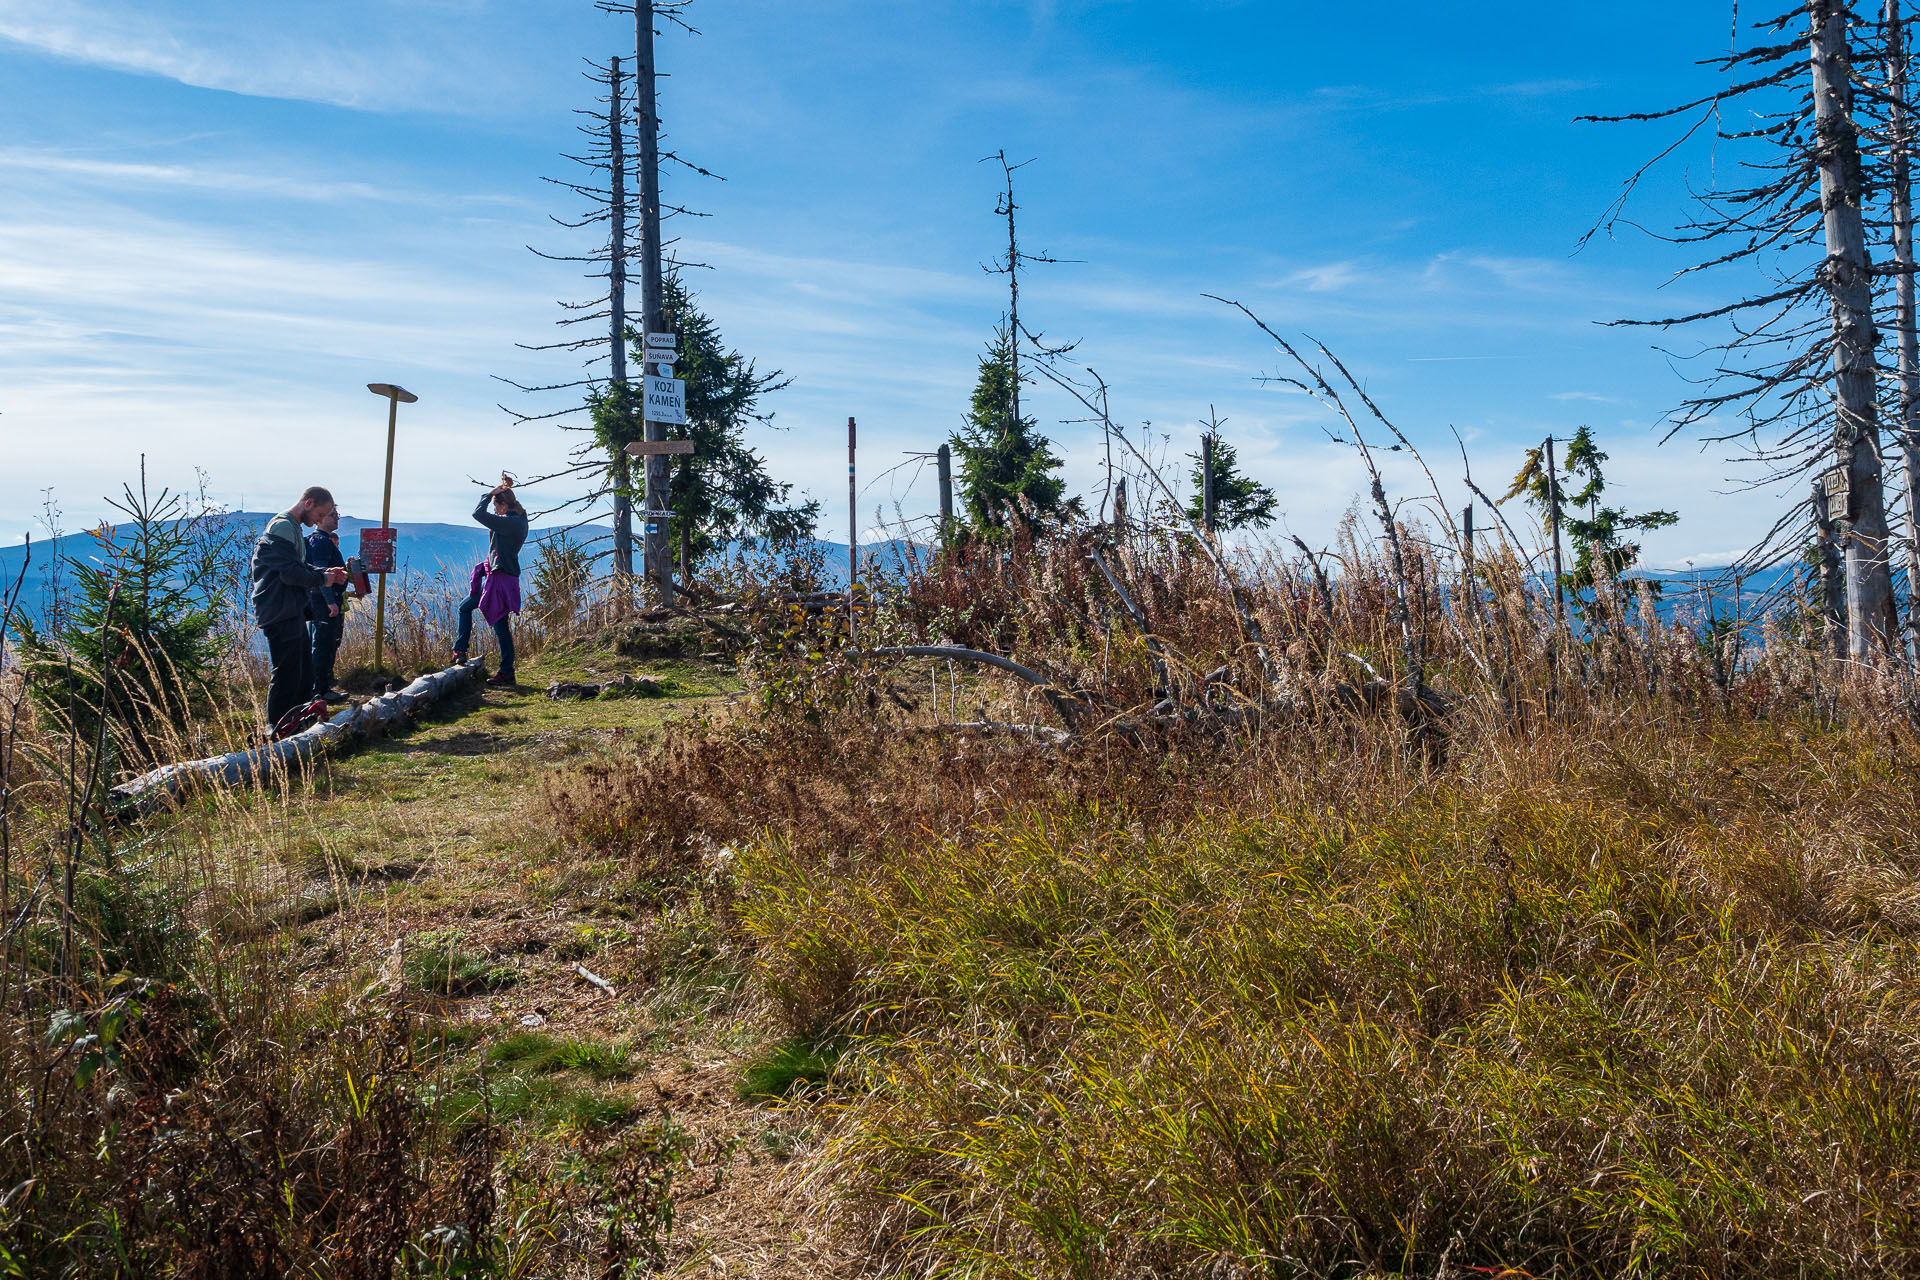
[[853, 533], [1206, 482], [944, 462], [1553, 516], [396, 396]]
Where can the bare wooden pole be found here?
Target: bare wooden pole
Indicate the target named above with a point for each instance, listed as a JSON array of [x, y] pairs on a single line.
[[658, 550], [1850, 288], [1206, 483], [853, 532], [386, 514], [943, 463], [1553, 517], [617, 312]]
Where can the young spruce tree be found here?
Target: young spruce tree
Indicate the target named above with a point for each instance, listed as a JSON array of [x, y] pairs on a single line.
[[139, 643], [1600, 546], [1239, 501], [1004, 460]]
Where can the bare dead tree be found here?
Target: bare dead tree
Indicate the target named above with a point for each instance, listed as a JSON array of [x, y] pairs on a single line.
[[604, 399], [1793, 380], [620, 191], [1009, 266], [1906, 342]]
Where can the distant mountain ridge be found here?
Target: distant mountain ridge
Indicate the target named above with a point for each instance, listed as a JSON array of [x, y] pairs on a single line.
[[427, 548], [422, 548]]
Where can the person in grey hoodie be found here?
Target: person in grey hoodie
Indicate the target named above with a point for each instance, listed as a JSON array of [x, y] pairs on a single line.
[[282, 579], [494, 589]]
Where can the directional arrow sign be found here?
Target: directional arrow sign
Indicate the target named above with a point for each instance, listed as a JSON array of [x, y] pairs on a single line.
[[666, 400], [666, 340], [654, 448]]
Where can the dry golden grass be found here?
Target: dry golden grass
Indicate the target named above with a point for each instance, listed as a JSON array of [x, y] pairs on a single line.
[[1603, 970], [1613, 980]]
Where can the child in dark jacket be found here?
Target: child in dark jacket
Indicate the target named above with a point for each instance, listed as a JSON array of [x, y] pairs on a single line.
[[494, 589], [327, 605]]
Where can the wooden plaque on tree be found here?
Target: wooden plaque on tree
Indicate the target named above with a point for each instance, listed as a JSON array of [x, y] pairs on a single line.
[[1834, 485]]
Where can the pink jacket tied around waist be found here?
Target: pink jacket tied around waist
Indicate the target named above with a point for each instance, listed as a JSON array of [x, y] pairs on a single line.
[[499, 593]]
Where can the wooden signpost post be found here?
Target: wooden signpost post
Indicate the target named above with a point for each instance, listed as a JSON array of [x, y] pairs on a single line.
[[383, 544]]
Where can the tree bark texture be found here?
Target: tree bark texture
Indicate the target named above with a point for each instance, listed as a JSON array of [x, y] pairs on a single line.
[[1869, 582]]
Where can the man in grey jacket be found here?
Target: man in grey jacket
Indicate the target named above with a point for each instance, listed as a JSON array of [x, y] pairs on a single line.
[[281, 580]]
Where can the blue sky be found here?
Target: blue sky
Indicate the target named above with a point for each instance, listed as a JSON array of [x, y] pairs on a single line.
[[224, 218]]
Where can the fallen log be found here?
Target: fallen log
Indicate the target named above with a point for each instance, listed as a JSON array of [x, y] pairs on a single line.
[[624, 687], [1069, 706], [374, 718], [994, 729]]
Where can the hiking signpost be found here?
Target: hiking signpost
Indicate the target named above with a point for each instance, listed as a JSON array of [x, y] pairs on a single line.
[[664, 402], [377, 551], [667, 400]]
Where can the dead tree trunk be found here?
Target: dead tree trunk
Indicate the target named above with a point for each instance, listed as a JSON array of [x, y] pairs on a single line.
[[1907, 341], [369, 720], [1829, 581], [1848, 285], [617, 313], [1206, 483], [659, 562]]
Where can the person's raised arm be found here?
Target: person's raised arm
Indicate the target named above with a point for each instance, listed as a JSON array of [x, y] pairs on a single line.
[[486, 517]]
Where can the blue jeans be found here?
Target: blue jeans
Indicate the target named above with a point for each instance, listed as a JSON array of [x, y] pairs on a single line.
[[502, 631]]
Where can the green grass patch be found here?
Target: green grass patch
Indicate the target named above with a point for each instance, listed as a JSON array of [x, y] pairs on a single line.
[[437, 963], [788, 1067], [534, 1053], [542, 1103]]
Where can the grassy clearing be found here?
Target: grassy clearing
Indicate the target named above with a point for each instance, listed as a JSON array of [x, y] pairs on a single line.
[[1615, 1002]]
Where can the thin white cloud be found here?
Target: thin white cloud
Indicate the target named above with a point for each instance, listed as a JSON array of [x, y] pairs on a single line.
[[1329, 277], [123, 174], [1593, 397], [346, 53]]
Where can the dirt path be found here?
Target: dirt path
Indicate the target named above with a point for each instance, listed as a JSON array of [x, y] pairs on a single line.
[[427, 854]]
